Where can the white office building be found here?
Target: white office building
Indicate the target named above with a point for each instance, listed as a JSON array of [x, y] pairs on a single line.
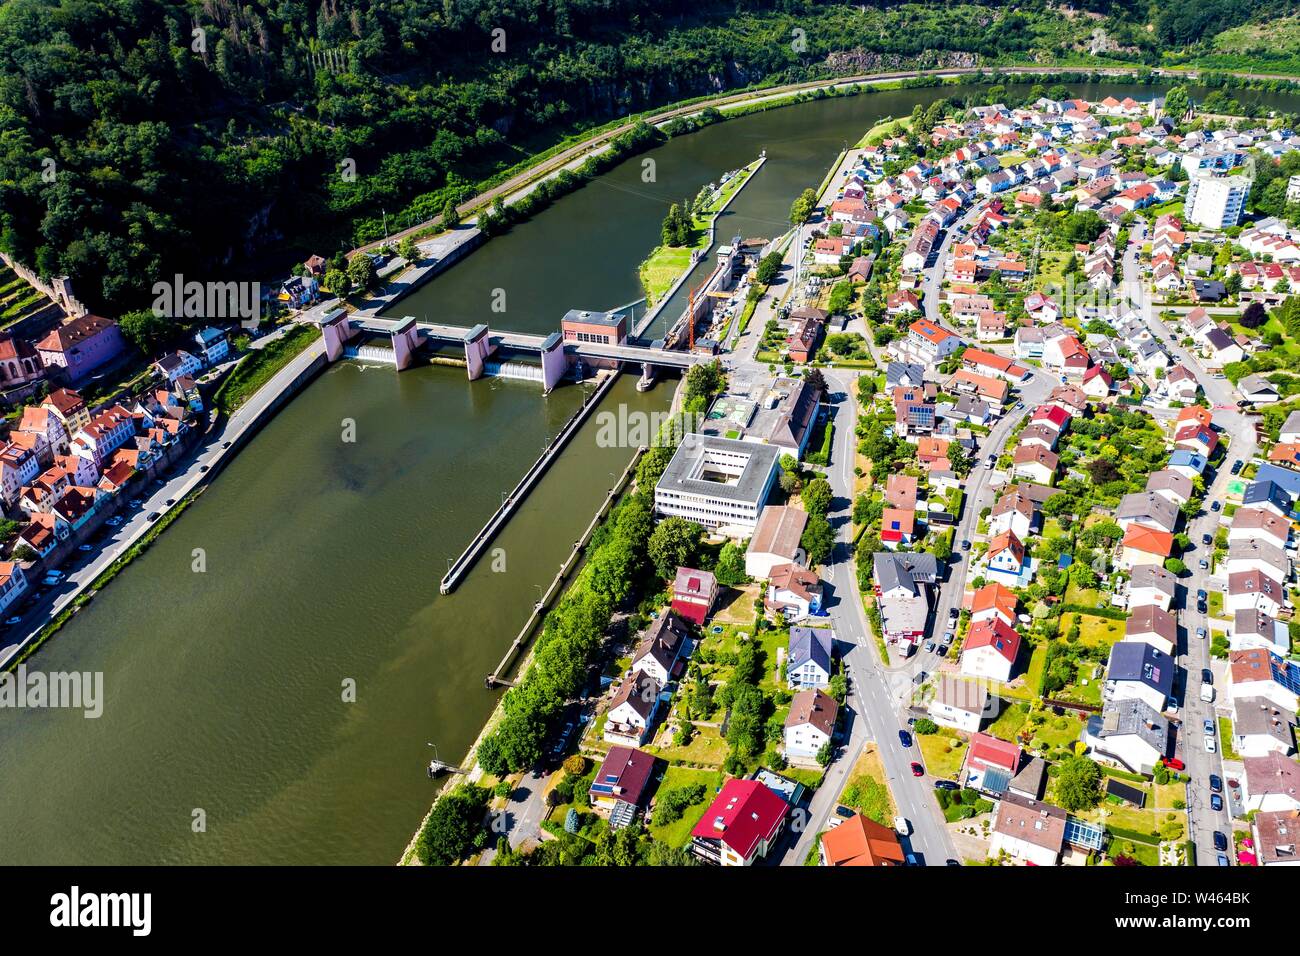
[[1216, 202], [720, 483]]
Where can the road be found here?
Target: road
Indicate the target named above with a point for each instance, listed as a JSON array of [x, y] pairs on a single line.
[[200, 468], [874, 713], [1195, 652]]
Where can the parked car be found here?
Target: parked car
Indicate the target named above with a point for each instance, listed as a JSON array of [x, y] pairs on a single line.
[[902, 826], [1207, 539], [13, 620], [1210, 746], [1220, 841], [946, 785], [917, 769], [905, 738], [943, 650], [953, 613], [1204, 565], [154, 516], [1215, 783], [1214, 506], [1236, 466], [1200, 632], [965, 546], [1207, 676], [1209, 726], [929, 647], [1201, 595], [844, 811], [1221, 860], [1173, 763], [85, 547], [1216, 802]]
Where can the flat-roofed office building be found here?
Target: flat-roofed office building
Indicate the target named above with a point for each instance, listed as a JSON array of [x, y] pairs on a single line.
[[720, 483]]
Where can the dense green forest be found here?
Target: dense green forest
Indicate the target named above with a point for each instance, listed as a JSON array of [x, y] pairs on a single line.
[[142, 137]]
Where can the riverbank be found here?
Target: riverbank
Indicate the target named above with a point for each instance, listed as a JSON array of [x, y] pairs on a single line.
[[663, 270], [573, 150], [280, 377]]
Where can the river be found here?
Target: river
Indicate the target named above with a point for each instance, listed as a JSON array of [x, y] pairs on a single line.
[[224, 689]]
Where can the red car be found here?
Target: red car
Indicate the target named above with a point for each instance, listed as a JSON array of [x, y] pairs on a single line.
[[1173, 763], [917, 770]]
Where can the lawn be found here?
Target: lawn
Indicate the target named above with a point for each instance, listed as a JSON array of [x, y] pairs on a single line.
[[1225, 739], [678, 832], [258, 367], [1034, 678], [1010, 720], [661, 270], [707, 748], [1094, 631], [865, 791], [1215, 603], [943, 753]]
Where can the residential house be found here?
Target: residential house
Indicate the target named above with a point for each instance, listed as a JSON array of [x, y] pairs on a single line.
[[623, 781], [78, 347], [810, 725], [13, 584], [742, 824], [794, 592], [860, 841], [633, 710], [1147, 508], [1143, 545], [693, 594], [1008, 561], [1150, 624], [1255, 672], [961, 704], [1035, 463], [1014, 512], [1129, 732], [990, 650], [1151, 584], [993, 602], [775, 541], [666, 641], [1028, 831], [1138, 671], [808, 663], [1274, 838], [1261, 728]]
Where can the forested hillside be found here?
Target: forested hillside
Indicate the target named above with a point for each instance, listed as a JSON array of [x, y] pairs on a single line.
[[144, 137]]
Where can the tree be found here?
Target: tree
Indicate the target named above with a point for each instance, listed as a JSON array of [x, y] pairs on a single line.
[[817, 497], [769, 267], [958, 459], [336, 281], [1254, 316], [818, 540], [455, 827], [675, 543], [816, 381], [925, 726], [1175, 566], [730, 569], [824, 754], [450, 215], [801, 209], [1177, 103], [408, 250], [146, 330], [1078, 785], [362, 271]]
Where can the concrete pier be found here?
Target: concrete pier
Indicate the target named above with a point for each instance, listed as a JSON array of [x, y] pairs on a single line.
[[539, 610], [462, 564]]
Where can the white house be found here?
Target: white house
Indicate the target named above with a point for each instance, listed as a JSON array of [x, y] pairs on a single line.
[[990, 650], [1272, 784], [810, 724], [775, 541], [13, 584], [632, 711], [808, 663], [1028, 831], [961, 704]]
